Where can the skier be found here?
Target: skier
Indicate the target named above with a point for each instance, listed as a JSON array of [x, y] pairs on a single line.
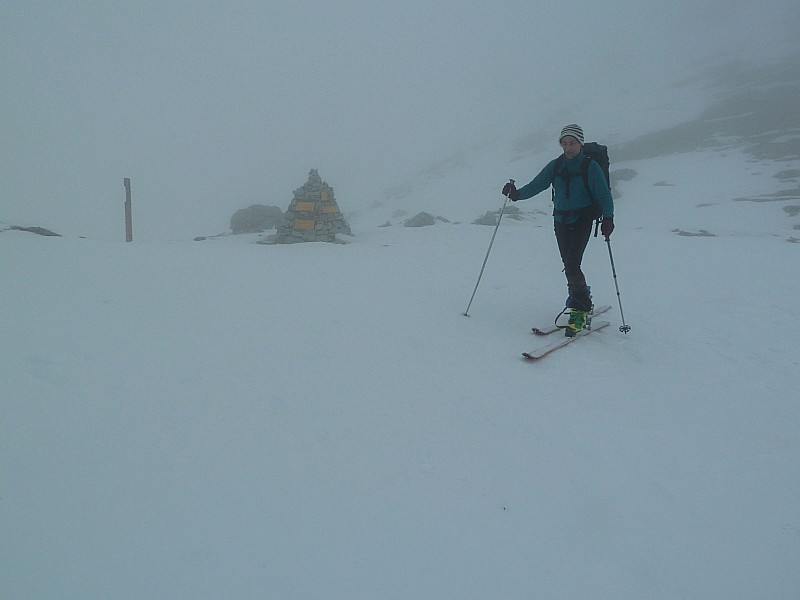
[[572, 215]]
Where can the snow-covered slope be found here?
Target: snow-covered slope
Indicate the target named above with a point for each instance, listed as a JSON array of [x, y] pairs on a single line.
[[223, 419]]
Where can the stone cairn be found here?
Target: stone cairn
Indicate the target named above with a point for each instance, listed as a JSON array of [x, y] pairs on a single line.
[[312, 216]]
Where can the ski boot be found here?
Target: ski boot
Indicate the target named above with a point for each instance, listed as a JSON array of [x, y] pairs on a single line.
[[578, 319]]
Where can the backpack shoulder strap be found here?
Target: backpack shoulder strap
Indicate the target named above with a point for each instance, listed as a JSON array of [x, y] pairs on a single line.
[[585, 176], [557, 167]]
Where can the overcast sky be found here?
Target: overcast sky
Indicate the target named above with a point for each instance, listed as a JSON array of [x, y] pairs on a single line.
[[211, 106]]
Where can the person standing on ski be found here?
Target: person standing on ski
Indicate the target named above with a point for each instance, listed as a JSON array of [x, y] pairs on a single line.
[[573, 212]]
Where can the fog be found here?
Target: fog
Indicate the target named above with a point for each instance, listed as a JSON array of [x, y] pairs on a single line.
[[210, 107]]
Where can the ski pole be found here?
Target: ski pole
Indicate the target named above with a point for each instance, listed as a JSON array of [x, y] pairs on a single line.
[[502, 210], [624, 328]]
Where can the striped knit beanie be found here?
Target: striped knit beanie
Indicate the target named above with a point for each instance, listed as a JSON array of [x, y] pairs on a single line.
[[573, 130]]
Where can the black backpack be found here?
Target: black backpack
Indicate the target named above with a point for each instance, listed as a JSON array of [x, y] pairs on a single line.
[[594, 152]]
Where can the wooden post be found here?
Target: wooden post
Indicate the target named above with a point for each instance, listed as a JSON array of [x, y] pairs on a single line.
[[128, 218]]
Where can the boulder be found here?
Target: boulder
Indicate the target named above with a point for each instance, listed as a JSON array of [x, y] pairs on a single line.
[[256, 218], [36, 230], [423, 219]]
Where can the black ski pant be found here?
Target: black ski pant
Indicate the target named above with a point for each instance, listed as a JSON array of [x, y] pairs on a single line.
[[572, 239]]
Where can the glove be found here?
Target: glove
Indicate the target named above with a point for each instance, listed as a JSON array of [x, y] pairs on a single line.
[[510, 190], [607, 226]]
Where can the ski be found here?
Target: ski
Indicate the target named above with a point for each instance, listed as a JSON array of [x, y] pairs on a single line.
[[554, 328], [545, 350]]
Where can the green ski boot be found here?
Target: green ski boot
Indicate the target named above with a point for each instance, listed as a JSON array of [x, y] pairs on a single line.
[[577, 321]]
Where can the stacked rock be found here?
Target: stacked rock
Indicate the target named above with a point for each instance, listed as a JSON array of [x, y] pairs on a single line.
[[313, 215]]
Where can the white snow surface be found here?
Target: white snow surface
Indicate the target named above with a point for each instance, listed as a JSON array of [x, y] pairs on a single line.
[[223, 419]]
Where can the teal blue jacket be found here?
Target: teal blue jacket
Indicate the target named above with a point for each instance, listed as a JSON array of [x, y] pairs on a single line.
[[578, 194]]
